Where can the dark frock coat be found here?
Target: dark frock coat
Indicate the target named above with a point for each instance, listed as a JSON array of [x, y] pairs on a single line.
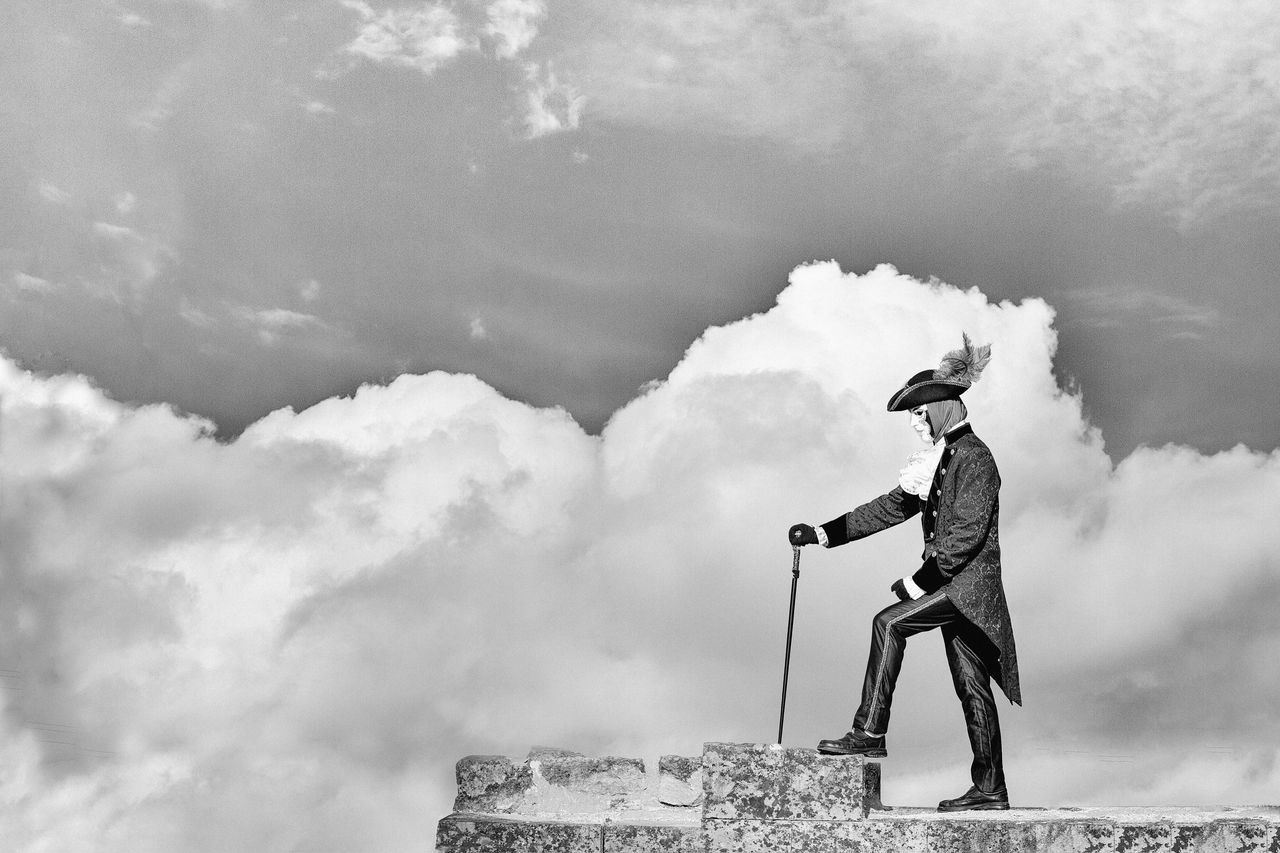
[[961, 524]]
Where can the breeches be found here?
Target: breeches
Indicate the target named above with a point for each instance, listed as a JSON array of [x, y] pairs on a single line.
[[971, 657]]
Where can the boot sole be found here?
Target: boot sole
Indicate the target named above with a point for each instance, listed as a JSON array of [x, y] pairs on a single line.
[[870, 753], [976, 807]]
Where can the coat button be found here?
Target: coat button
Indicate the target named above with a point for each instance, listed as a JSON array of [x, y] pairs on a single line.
[[935, 512], [944, 470]]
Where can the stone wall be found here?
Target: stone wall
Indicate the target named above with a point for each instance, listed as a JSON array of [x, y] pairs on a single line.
[[750, 798]]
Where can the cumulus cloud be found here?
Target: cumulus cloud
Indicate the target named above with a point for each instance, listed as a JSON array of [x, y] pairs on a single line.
[[286, 640]]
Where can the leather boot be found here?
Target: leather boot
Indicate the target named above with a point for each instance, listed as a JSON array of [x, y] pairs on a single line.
[[854, 744], [976, 800]]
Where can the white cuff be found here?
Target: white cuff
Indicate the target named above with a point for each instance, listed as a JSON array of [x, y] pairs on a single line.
[[822, 536], [912, 589]]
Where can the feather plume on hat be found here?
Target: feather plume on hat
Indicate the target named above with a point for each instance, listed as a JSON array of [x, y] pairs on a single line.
[[966, 364]]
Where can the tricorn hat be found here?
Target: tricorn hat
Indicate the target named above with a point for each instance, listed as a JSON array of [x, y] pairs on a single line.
[[958, 370]]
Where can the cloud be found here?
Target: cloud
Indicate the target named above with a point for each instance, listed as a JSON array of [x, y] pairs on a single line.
[[128, 252], [429, 37], [513, 25], [551, 106], [1177, 102], [130, 260], [193, 315], [424, 38], [433, 34], [32, 283], [273, 323], [127, 17], [1172, 106], [309, 290], [162, 103], [53, 194], [1166, 314], [753, 69], [317, 108], [286, 640]]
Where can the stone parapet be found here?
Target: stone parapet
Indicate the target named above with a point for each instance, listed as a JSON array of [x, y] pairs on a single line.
[[549, 782], [755, 798]]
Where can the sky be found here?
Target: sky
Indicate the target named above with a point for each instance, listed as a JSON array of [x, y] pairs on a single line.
[[384, 383]]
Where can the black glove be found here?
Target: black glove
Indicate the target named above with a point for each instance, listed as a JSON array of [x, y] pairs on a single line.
[[802, 534], [900, 590]]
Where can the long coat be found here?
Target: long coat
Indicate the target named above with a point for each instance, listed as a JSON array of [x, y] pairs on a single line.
[[961, 525]]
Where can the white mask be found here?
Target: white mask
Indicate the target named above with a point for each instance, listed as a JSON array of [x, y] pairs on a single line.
[[920, 423]]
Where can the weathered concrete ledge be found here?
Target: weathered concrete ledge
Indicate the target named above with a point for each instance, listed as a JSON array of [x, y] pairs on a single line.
[[757, 798]]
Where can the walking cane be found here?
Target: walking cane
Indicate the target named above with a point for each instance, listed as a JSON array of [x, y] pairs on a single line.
[[791, 618]]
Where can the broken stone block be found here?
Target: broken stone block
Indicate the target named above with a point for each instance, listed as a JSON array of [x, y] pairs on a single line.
[[578, 783], [491, 784], [679, 780], [771, 782]]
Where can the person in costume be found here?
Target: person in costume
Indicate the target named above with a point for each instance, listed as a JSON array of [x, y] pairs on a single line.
[[954, 487]]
